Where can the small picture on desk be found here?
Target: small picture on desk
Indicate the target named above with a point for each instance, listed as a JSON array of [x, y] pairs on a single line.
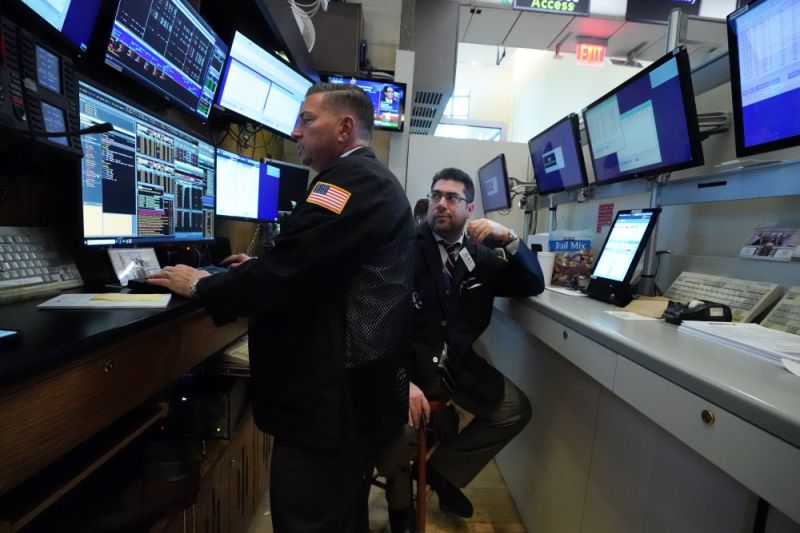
[[133, 263], [776, 244]]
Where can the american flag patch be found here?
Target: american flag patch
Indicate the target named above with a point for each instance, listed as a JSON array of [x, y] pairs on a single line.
[[329, 196]]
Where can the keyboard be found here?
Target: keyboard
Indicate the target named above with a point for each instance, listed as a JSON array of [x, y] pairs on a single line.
[[747, 299], [33, 263], [786, 315]]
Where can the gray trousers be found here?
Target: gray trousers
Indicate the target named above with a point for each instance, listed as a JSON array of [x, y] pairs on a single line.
[[461, 458]]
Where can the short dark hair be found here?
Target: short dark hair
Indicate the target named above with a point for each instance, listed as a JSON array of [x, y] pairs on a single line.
[[348, 99], [421, 207], [458, 175]]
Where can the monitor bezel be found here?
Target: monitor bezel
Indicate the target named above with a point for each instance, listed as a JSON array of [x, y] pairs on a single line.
[[507, 206], [255, 220], [147, 242], [639, 251], [130, 74], [403, 101], [576, 136], [267, 161], [736, 92], [219, 109], [681, 56]]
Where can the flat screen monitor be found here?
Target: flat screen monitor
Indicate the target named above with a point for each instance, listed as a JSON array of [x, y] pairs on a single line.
[[144, 182], [246, 189], [765, 75], [293, 184], [557, 157], [167, 46], [617, 260], [262, 87], [73, 18], [388, 100], [493, 180], [647, 125]]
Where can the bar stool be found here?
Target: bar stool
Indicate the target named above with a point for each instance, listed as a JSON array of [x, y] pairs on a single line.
[[428, 437]]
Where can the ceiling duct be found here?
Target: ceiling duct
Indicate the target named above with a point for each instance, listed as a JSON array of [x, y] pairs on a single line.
[[435, 42]]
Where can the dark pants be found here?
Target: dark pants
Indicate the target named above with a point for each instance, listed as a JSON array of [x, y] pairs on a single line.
[[320, 491]]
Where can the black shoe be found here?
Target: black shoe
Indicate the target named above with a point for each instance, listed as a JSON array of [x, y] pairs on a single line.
[[451, 499], [403, 520]]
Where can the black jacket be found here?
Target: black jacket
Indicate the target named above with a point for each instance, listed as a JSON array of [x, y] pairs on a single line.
[[331, 314], [460, 317]]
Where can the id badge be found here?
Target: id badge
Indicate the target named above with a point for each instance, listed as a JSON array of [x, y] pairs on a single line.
[[467, 259]]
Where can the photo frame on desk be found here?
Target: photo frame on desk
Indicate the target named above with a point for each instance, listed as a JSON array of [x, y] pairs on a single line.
[[133, 263]]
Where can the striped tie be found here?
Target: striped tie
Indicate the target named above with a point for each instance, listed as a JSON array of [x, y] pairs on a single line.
[[452, 257]]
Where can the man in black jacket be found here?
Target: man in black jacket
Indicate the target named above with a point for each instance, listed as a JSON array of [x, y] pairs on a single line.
[[331, 316], [456, 278]]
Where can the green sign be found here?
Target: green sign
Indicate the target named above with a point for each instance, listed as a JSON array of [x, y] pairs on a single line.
[[559, 7]]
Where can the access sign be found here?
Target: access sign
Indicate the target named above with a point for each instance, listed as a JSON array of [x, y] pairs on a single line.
[[560, 7]]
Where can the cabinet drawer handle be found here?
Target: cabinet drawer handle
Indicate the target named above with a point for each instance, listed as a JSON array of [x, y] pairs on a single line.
[[108, 366], [564, 334], [708, 417]]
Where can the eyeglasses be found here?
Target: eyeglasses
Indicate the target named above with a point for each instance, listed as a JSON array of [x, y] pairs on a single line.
[[450, 197]]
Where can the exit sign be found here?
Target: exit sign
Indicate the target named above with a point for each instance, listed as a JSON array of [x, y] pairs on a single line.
[[590, 54]]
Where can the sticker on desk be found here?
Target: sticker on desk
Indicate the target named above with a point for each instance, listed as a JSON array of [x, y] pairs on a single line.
[[627, 315]]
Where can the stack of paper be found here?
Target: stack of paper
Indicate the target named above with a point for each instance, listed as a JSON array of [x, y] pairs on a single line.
[[766, 342], [106, 301]]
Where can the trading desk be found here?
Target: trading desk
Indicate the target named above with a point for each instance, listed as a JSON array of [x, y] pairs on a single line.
[[77, 372], [640, 427]]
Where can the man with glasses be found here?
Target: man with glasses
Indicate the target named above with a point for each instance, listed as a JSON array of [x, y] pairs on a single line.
[[459, 268]]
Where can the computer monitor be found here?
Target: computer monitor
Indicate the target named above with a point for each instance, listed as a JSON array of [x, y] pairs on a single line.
[[493, 180], [388, 100], [73, 18], [167, 46], [557, 157], [762, 49], [293, 184], [617, 260], [144, 182], [246, 189], [262, 87], [647, 125]]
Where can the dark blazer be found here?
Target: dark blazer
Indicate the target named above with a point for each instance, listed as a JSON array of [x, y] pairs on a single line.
[[462, 315], [331, 314]]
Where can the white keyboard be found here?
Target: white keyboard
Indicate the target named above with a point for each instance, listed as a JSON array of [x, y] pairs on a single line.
[[747, 299], [786, 315]]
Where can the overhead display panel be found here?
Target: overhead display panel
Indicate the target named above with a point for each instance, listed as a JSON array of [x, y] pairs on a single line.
[[657, 11], [558, 7]]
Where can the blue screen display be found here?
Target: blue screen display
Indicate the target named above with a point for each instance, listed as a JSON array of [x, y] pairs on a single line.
[[73, 18], [388, 100], [765, 75], [557, 157], [166, 45], [646, 126], [246, 189]]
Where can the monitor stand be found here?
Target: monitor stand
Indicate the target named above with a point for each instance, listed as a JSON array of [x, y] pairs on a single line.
[[614, 292]]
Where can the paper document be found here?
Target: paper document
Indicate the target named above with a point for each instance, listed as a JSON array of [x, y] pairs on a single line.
[[628, 315], [652, 306], [564, 290], [111, 300], [754, 338]]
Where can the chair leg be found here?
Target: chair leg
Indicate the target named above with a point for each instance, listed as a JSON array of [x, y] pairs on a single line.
[[422, 461]]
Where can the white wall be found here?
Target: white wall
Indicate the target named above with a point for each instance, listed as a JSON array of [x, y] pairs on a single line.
[[429, 154]]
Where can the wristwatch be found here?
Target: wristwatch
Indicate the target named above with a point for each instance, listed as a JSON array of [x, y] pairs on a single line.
[[512, 236], [193, 290]]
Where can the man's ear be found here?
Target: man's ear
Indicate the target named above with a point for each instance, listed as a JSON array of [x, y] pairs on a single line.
[[470, 209], [347, 128]]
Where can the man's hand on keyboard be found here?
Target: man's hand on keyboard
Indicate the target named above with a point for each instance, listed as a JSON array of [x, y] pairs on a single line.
[[235, 260], [178, 279]]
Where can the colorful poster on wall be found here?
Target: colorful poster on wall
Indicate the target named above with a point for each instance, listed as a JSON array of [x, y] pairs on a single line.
[[559, 7]]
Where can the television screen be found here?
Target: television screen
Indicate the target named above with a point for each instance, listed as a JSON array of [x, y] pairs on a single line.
[[166, 45], [73, 18], [557, 157], [144, 182], [388, 100], [262, 87], [647, 125], [765, 75], [246, 189], [493, 180]]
